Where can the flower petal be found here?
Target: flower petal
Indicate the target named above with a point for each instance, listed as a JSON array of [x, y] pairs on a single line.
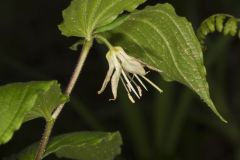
[[115, 80], [108, 76], [130, 64]]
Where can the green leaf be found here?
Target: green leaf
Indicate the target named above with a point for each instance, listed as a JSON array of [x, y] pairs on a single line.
[[112, 25], [161, 39], [80, 146], [83, 17], [20, 102], [75, 46]]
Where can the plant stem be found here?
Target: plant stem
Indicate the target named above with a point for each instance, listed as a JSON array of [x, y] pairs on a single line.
[[84, 53], [49, 124], [44, 140], [104, 40]]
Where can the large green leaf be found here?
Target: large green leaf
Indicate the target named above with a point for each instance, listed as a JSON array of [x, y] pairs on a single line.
[[20, 102], [161, 39], [82, 17], [80, 146]]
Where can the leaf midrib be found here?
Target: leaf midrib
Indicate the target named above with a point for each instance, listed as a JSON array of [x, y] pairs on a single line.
[[181, 33], [169, 48]]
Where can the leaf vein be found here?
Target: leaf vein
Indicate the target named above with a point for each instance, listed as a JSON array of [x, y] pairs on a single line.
[[167, 44]]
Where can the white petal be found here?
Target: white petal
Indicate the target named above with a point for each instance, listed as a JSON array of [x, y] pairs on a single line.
[[108, 76], [115, 80], [133, 67], [129, 63]]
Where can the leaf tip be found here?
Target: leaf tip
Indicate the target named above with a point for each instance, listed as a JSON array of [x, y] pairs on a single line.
[[214, 109], [221, 117]]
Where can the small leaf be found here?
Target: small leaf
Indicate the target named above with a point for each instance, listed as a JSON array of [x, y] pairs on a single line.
[[80, 146], [75, 46], [82, 17], [20, 102], [161, 39]]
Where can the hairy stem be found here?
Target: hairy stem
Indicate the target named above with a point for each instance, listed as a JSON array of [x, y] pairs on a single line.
[[85, 50], [49, 125], [44, 140]]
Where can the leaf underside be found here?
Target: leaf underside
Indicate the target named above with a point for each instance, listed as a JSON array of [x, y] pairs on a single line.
[[21, 102], [83, 17], [161, 39], [80, 146]]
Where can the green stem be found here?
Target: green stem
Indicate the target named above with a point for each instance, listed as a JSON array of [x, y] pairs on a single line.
[[49, 125], [44, 140], [104, 40], [85, 50]]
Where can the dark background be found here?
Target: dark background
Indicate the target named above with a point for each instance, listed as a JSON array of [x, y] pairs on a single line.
[[176, 125]]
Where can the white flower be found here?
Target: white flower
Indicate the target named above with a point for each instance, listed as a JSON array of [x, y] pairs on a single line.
[[127, 69]]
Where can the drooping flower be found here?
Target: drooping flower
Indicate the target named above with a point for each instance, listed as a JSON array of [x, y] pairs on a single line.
[[128, 70]]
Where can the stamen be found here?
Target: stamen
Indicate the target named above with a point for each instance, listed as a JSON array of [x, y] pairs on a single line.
[[126, 88], [139, 91], [129, 88], [139, 80], [131, 98], [154, 85], [129, 95], [130, 85], [138, 87]]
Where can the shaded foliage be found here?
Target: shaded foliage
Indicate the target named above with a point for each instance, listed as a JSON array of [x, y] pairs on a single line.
[[32, 48]]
